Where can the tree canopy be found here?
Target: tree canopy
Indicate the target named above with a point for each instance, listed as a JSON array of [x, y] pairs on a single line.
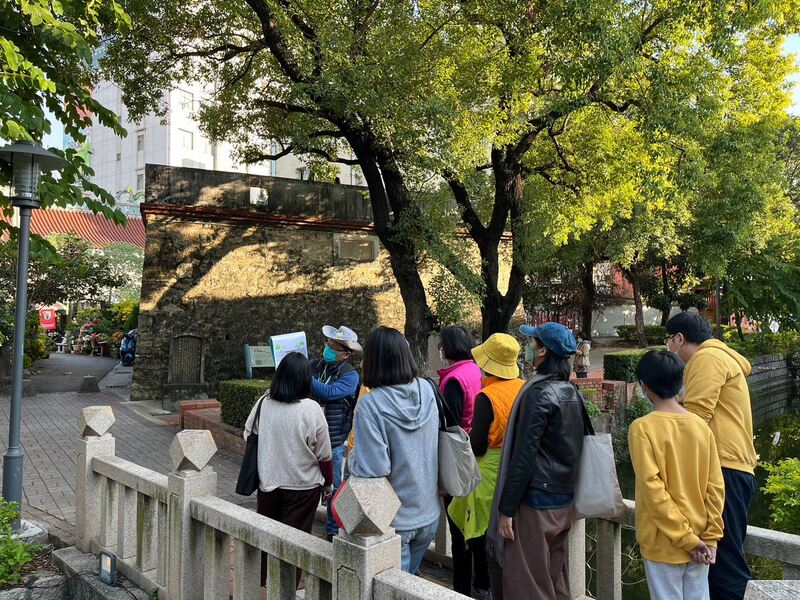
[[536, 123], [47, 56]]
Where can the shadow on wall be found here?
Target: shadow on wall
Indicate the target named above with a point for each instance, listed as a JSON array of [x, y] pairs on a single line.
[[225, 326]]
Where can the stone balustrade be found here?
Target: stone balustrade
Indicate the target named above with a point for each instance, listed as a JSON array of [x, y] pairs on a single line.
[[765, 543], [172, 535]]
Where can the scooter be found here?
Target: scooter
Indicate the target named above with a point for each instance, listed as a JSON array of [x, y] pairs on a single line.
[[127, 348]]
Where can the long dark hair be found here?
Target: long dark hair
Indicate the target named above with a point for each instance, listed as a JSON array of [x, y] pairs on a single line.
[[292, 379], [387, 359], [558, 366]]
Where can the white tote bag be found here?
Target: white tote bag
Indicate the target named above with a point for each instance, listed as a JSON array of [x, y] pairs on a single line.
[[459, 474], [458, 470], [597, 493]]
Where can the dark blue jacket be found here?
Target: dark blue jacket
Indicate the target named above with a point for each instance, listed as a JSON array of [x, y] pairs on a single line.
[[335, 387]]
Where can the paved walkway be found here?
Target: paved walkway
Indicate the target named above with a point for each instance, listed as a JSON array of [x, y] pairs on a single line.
[[64, 372], [49, 434]]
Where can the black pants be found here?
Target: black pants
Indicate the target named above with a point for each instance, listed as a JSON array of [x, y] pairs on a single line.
[[469, 559], [727, 579], [295, 508]]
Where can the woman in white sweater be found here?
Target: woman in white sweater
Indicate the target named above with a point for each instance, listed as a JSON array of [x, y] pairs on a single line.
[[294, 449]]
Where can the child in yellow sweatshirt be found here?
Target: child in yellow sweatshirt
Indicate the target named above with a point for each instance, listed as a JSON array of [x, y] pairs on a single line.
[[679, 487]]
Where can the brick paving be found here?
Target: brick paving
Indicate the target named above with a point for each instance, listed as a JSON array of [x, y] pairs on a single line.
[[49, 434]]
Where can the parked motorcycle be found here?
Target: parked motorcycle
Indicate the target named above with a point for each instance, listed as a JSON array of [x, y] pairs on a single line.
[[127, 348]]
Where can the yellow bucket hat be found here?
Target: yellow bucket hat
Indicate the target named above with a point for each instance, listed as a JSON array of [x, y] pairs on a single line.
[[498, 356]]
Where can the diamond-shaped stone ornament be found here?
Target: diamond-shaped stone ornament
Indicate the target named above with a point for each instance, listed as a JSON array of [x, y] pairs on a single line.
[[95, 420], [192, 449], [366, 506]]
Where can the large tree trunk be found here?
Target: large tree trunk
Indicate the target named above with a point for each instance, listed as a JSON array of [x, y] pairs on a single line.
[[588, 299], [633, 277], [389, 200], [665, 312], [499, 308]]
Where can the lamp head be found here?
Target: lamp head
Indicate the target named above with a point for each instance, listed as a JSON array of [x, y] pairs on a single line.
[[27, 161]]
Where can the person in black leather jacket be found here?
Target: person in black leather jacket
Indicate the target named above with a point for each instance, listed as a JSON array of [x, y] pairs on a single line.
[[538, 491]]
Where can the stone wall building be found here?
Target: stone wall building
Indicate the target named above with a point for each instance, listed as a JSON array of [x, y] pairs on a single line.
[[232, 259]]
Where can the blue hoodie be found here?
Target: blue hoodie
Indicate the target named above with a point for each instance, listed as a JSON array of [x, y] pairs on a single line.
[[397, 436]]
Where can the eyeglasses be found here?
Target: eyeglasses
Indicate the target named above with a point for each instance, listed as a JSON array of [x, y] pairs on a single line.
[[669, 338]]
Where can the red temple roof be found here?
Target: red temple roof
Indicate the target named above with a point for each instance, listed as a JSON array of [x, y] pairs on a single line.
[[94, 228]]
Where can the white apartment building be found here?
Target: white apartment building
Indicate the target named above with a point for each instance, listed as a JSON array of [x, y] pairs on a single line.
[[119, 163]]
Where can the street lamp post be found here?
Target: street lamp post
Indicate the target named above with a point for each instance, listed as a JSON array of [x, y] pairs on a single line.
[[27, 162]]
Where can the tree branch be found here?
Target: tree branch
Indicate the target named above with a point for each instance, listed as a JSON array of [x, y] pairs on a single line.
[[275, 41], [328, 156], [468, 214], [287, 107]]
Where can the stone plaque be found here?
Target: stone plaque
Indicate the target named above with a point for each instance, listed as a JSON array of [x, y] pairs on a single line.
[[186, 359]]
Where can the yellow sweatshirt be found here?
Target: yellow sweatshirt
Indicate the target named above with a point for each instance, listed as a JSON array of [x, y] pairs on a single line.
[[717, 392], [679, 487]]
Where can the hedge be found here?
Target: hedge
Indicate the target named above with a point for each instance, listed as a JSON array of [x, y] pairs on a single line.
[[655, 334], [236, 398], [621, 366]]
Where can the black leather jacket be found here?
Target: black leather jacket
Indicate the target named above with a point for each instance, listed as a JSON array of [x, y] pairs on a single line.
[[548, 442]]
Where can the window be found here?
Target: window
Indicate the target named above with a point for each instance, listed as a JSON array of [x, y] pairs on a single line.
[[119, 156], [186, 139], [186, 100], [303, 173], [140, 142], [139, 181]]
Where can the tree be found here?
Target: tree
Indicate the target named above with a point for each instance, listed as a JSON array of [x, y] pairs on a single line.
[[125, 262], [481, 95], [46, 56], [73, 272]]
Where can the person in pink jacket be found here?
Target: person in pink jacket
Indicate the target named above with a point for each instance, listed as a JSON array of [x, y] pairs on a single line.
[[460, 382]]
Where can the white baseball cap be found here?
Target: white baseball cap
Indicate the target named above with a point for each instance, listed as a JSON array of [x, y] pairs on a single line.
[[344, 336]]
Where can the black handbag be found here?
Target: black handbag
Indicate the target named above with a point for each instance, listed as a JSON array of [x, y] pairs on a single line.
[[248, 472]]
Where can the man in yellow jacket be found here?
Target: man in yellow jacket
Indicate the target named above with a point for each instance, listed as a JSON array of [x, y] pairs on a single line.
[[716, 391]]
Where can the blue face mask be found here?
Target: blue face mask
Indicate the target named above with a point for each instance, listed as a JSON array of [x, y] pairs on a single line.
[[529, 353], [329, 355]]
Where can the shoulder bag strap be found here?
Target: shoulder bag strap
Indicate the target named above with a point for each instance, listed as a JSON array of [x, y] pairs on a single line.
[[587, 422]]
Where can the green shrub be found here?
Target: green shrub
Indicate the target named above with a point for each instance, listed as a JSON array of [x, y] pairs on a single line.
[[621, 366], [236, 398], [783, 484], [590, 397], [655, 334], [639, 407], [760, 344], [14, 554]]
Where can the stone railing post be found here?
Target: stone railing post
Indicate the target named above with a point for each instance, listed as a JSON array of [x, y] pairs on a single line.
[[93, 423], [367, 545], [190, 452], [576, 559]]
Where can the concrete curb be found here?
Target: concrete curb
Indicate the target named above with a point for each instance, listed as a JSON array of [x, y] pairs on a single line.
[[83, 582]]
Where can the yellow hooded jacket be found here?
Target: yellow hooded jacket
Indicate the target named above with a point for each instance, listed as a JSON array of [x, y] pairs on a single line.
[[717, 392]]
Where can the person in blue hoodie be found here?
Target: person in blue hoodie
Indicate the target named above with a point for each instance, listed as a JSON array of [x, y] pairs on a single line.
[[397, 437]]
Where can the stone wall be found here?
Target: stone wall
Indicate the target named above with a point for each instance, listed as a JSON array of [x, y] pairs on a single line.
[[220, 272]]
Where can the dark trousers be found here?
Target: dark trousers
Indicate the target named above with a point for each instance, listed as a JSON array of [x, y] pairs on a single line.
[[295, 508], [727, 579], [469, 559]]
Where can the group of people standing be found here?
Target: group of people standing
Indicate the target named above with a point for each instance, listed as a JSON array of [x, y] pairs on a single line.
[[510, 534]]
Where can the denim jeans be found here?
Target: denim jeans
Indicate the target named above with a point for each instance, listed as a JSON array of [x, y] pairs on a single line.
[[338, 462], [413, 544]]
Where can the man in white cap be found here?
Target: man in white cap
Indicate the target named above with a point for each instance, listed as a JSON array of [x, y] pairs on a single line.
[[335, 386]]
